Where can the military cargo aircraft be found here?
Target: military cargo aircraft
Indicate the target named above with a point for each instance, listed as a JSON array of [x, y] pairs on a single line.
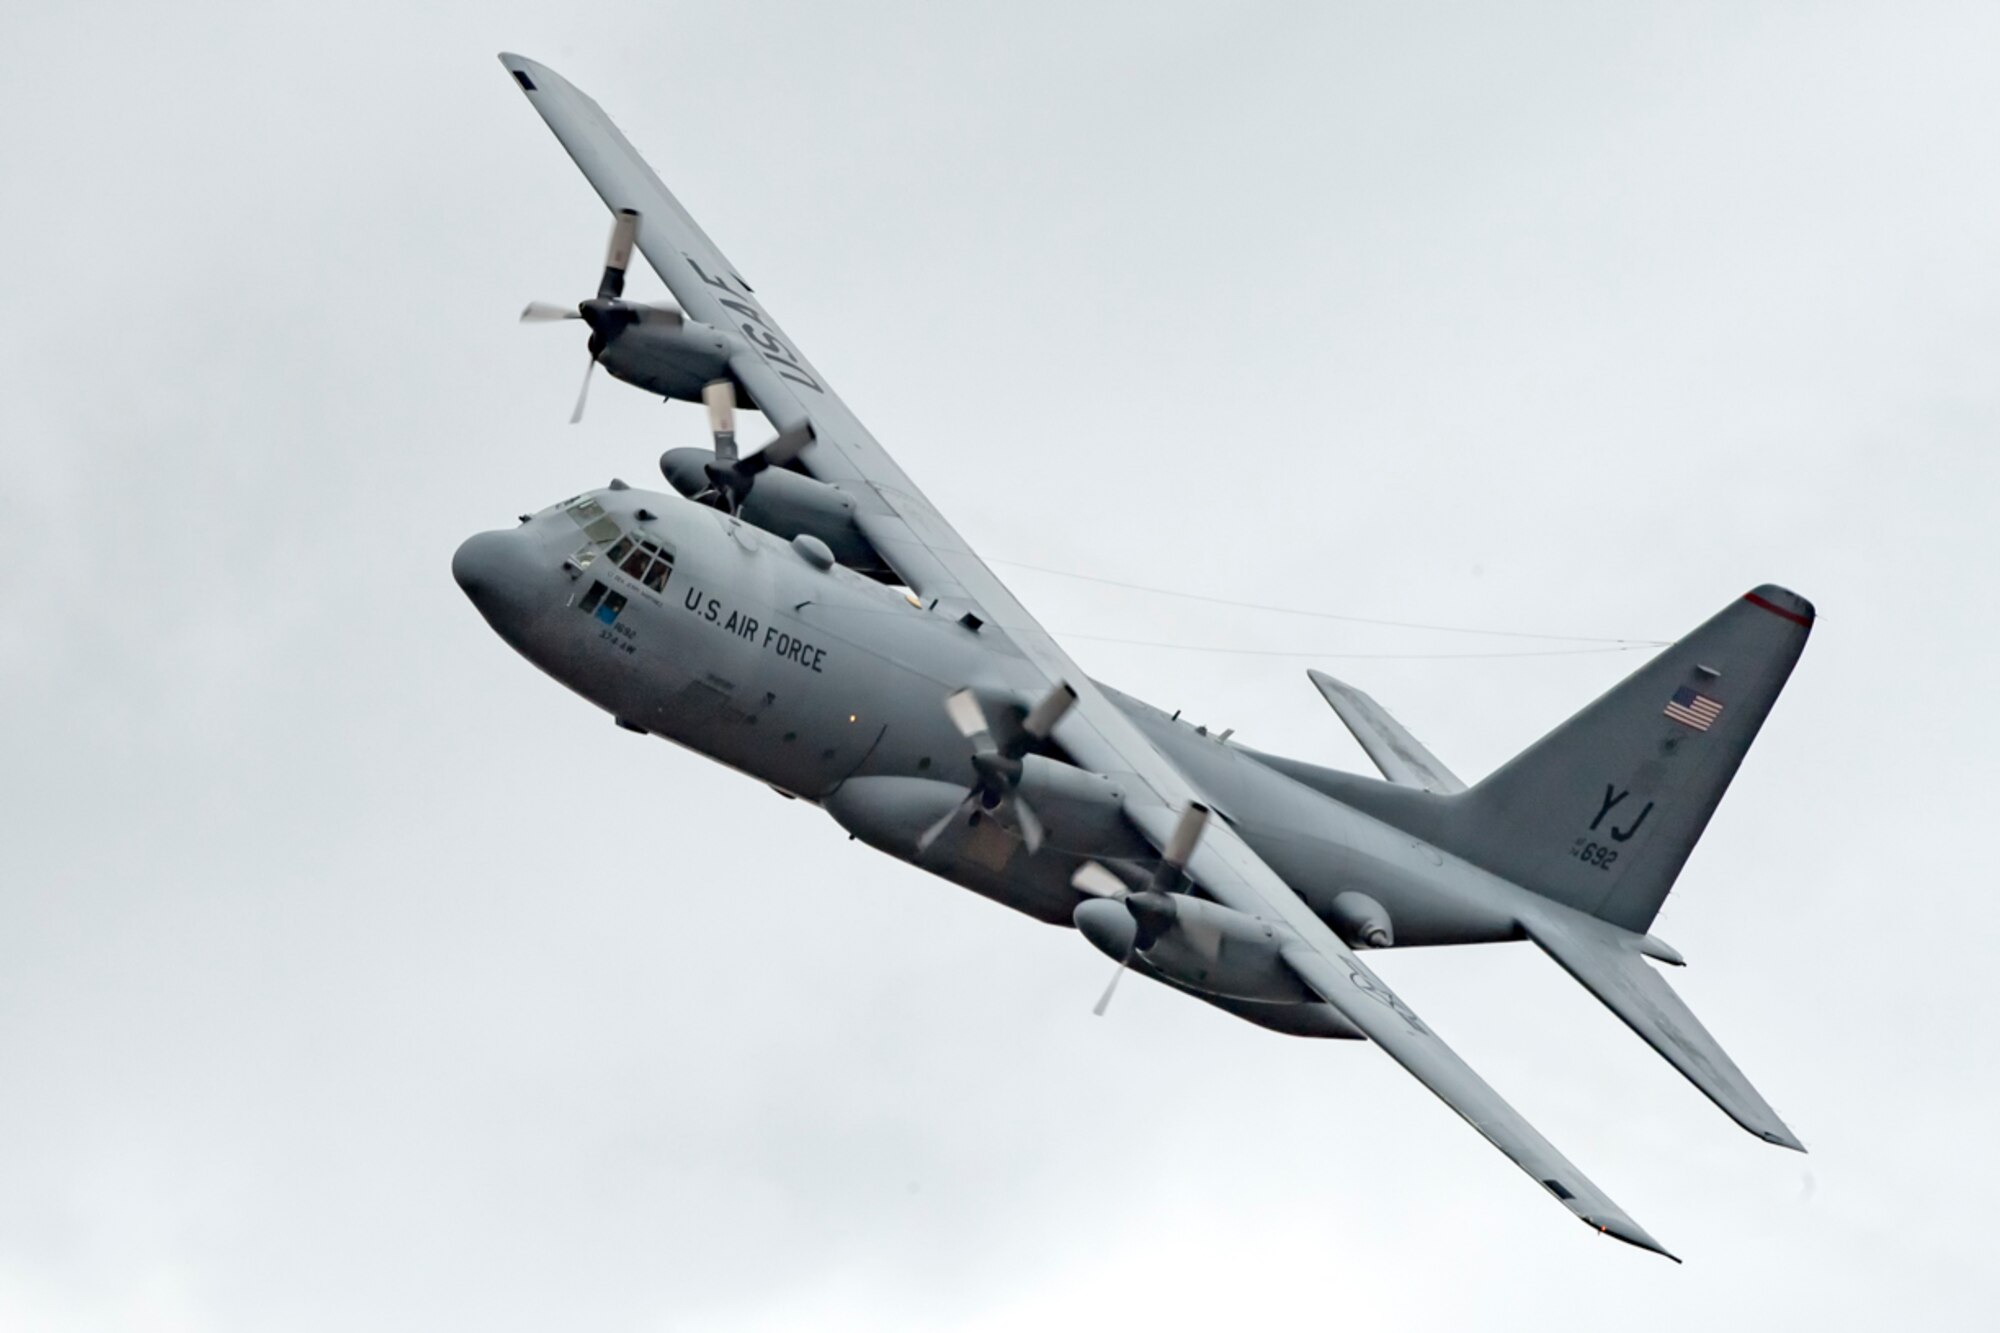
[[804, 615]]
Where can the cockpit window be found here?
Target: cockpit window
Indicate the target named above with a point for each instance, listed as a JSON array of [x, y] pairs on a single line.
[[651, 564], [589, 515], [636, 556]]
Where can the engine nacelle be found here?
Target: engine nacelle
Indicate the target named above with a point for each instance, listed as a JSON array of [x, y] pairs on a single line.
[[1082, 812], [671, 358], [787, 503], [1202, 946]]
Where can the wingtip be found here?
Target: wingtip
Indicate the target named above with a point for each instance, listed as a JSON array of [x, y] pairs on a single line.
[[1625, 1229]]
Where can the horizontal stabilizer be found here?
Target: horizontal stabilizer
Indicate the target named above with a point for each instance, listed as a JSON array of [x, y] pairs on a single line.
[[1608, 961], [1401, 756]]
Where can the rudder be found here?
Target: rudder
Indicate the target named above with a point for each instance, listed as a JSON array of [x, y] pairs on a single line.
[[1601, 813]]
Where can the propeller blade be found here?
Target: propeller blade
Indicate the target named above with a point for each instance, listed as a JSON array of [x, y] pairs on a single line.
[[1095, 880], [970, 719], [1031, 825], [1042, 719], [584, 392], [618, 255], [720, 398], [1186, 833], [1180, 846], [937, 830], [542, 312], [779, 452], [1104, 1000]]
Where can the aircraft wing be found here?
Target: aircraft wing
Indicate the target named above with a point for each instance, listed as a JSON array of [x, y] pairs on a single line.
[[923, 549], [930, 556], [1226, 868]]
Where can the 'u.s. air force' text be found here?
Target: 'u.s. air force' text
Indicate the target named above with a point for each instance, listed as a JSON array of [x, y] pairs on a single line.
[[744, 626]]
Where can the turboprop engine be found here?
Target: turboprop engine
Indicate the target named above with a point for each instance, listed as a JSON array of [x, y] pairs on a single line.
[[763, 491], [655, 347], [787, 503], [1195, 943], [1198, 945], [1076, 814]]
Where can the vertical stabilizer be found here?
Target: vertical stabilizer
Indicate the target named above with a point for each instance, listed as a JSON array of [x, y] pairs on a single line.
[[1601, 813]]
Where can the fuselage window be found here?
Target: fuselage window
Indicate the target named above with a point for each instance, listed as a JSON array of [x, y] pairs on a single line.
[[617, 553], [635, 563], [592, 598], [608, 609]]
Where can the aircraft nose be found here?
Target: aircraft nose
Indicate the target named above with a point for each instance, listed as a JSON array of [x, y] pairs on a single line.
[[497, 572]]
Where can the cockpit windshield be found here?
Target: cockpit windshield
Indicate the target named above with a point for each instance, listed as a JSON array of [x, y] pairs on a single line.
[[589, 515], [639, 557]]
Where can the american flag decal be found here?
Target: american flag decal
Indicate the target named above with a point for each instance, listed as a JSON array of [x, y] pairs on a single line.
[[1693, 710]]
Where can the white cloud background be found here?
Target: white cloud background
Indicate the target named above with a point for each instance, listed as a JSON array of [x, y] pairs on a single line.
[[354, 975]]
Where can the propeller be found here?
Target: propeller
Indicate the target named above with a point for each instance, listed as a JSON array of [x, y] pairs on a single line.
[[997, 771], [608, 314], [1152, 908], [730, 477]]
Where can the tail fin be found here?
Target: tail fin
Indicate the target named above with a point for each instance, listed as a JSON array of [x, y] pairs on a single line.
[[1602, 812]]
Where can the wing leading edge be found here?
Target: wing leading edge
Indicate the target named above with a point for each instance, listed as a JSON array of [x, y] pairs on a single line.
[[931, 557]]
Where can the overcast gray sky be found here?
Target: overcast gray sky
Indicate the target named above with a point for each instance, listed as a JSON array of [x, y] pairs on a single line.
[[352, 974]]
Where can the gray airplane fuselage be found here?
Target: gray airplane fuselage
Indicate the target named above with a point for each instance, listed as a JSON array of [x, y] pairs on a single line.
[[829, 687]]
